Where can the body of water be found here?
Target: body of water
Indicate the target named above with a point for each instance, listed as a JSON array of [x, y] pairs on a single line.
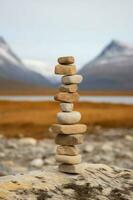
[[99, 99]]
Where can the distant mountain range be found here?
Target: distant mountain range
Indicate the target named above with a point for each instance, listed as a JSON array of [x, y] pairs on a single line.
[[112, 69], [14, 73]]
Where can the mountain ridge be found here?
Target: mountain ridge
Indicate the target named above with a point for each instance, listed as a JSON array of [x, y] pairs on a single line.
[[13, 69], [112, 69]]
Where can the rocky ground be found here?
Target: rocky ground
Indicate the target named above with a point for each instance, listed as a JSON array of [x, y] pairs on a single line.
[[107, 146]]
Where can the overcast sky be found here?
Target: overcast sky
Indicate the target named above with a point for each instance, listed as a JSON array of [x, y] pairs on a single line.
[[46, 29]]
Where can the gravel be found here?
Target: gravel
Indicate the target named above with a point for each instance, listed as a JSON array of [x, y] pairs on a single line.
[[107, 146]]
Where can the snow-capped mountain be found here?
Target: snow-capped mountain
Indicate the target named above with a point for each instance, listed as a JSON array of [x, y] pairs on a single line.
[[43, 68], [39, 66], [112, 69], [12, 68]]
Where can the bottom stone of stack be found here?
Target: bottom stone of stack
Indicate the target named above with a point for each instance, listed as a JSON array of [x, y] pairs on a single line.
[[68, 159], [71, 169]]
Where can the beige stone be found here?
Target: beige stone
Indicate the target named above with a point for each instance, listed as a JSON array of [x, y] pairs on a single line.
[[68, 159], [69, 88], [67, 97], [66, 60], [69, 129], [74, 79], [68, 117], [71, 169], [67, 150], [66, 107], [69, 139], [65, 69]]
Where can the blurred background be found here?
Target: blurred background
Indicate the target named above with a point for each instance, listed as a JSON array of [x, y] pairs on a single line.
[[33, 34]]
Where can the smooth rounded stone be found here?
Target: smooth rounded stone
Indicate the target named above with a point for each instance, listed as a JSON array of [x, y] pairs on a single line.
[[68, 117], [66, 107], [74, 79], [69, 88], [68, 159], [38, 163], [67, 97], [69, 129], [71, 169], [69, 139], [66, 60], [28, 141], [65, 69], [67, 150]]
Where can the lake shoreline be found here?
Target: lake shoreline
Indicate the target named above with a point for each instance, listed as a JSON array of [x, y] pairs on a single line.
[[96, 99]]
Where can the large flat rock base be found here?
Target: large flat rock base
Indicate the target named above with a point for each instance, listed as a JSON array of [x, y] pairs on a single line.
[[96, 182]]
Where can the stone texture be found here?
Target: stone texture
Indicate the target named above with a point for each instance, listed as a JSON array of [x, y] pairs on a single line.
[[94, 182], [65, 69], [74, 79], [68, 159], [68, 117], [71, 169], [66, 107], [67, 97], [69, 139], [67, 150], [69, 129], [66, 60], [69, 88]]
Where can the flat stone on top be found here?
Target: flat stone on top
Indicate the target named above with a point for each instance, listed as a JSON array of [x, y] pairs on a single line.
[[68, 159], [74, 79], [66, 107], [65, 69], [69, 129], [68, 88], [66, 60], [68, 117], [72, 169], [67, 150], [67, 97], [69, 139]]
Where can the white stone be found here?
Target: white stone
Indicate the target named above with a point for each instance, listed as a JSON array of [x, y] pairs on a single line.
[[66, 107], [74, 79], [28, 141], [68, 117], [38, 163]]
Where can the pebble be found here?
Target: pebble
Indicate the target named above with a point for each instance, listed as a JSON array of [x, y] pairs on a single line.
[[72, 169], [66, 107], [69, 139], [28, 141], [68, 159], [66, 60], [67, 97], [68, 117], [38, 163], [88, 148], [74, 79], [65, 70], [69, 129], [67, 150], [68, 88]]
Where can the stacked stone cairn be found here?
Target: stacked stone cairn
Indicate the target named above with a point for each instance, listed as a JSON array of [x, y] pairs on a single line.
[[69, 131]]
